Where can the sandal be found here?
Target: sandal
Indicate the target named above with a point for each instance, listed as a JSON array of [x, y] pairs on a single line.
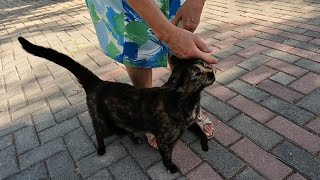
[[202, 121], [150, 138]]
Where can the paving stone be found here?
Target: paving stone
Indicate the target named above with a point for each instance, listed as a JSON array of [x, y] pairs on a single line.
[[61, 167], [229, 62], [221, 92], [71, 112], [307, 83], [43, 119], [280, 91], [302, 45], [230, 75], [6, 141], [86, 122], [16, 102], [184, 158], [77, 98], [312, 34], [223, 111], [275, 45], [25, 139], [249, 173], [203, 172], [15, 125], [126, 168], [290, 111], [254, 62], [159, 172], [271, 37], [296, 176], [287, 68], [101, 175], [251, 108], [70, 88], [305, 163], [8, 165], [258, 75], [255, 131], [261, 160], [36, 172], [188, 137], [311, 102], [314, 125], [59, 130], [282, 78], [300, 136], [253, 50], [281, 55], [143, 153], [248, 90], [292, 36], [249, 42], [226, 163], [29, 109], [93, 163], [223, 133], [227, 52], [306, 54], [79, 144], [41, 153], [311, 65], [58, 103]]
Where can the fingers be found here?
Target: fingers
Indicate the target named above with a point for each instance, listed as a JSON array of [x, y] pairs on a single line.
[[176, 19], [208, 58]]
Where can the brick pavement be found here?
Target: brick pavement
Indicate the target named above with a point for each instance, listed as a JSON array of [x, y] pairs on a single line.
[[264, 105]]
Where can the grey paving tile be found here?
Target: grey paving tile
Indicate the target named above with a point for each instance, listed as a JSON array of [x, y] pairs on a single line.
[[41, 153], [143, 153], [249, 173], [290, 111], [59, 130], [226, 163], [305, 163], [8, 165], [58, 103], [283, 78], [314, 34], [252, 41], [248, 91], [93, 163], [254, 62], [230, 75], [302, 45], [263, 136], [26, 139], [227, 52], [71, 112], [159, 172], [16, 125], [37, 172], [223, 111], [126, 168], [6, 141], [311, 102], [103, 174], [271, 37], [29, 109], [281, 55], [43, 119], [86, 122], [61, 167], [308, 64], [79, 144]]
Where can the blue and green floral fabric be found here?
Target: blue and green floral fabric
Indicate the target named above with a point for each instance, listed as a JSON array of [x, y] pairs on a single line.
[[125, 37]]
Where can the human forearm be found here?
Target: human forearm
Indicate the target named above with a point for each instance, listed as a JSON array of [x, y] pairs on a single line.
[[148, 11]]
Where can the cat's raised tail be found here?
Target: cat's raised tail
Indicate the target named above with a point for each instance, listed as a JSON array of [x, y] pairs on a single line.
[[86, 78]]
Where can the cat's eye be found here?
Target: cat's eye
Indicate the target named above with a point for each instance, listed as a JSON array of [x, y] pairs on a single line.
[[198, 73]]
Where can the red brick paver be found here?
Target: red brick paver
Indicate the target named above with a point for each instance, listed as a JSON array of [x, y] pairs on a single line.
[[307, 83]]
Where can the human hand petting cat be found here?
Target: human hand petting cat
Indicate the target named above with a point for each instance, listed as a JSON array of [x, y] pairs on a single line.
[[189, 16]]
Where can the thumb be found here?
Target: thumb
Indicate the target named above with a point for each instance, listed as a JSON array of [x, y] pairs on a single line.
[[176, 20], [202, 46]]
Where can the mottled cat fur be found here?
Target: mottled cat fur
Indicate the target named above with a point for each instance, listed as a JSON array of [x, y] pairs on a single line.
[[165, 111]]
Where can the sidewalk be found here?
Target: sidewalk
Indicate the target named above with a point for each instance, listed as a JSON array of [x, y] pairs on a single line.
[[265, 103]]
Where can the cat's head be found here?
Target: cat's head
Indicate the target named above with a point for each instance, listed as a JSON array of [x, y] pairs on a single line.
[[190, 75]]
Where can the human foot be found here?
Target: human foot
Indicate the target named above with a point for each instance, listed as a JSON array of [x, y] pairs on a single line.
[[152, 140]]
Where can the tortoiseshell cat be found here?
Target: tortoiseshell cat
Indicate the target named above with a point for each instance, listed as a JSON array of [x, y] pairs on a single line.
[[116, 107]]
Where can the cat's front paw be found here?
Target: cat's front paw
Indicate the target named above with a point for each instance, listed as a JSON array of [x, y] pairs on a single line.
[[101, 151], [172, 169], [204, 147]]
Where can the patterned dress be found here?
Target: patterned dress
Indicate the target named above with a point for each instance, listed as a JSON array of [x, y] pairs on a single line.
[[125, 37]]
